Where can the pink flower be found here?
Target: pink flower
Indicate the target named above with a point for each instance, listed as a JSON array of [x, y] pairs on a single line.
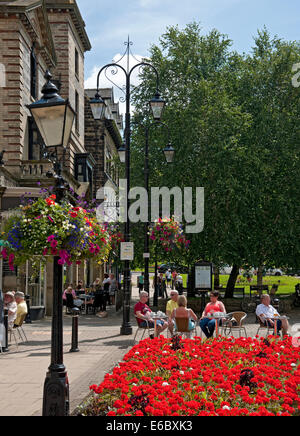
[[53, 244], [11, 261], [4, 253]]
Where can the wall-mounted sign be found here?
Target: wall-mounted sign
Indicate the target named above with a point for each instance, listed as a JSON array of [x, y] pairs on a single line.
[[127, 251]]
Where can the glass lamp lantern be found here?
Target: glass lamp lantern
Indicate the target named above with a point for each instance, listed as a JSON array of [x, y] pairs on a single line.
[[122, 153], [169, 153], [157, 105], [98, 107], [53, 115]]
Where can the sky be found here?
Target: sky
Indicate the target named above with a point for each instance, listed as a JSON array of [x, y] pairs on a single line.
[[108, 24]]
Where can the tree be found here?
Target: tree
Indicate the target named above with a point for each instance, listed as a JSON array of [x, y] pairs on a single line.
[[234, 123]]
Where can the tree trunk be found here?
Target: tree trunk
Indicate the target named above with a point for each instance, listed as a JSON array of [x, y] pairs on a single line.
[[232, 281], [260, 276], [217, 277]]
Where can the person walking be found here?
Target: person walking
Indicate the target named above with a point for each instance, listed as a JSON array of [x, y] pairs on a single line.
[[100, 299], [112, 289], [106, 285], [168, 278], [174, 277], [141, 282]]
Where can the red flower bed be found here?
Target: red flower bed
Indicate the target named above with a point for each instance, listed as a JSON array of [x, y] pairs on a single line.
[[225, 376]]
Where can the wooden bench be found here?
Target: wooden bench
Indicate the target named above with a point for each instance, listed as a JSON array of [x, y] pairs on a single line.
[[237, 292], [258, 289]]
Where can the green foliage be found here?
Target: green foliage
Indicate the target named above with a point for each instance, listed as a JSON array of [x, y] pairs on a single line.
[[234, 121]]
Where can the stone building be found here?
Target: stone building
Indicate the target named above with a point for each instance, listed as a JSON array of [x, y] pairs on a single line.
[[102, 141], [36, 35]]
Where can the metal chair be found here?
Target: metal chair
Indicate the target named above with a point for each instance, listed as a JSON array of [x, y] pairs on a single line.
[[12, 333], [262, 326], [148, 328], [237, 317], [20, 329]]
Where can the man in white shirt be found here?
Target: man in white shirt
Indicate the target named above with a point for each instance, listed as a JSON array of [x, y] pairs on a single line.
[[267, 313], [169, 278]]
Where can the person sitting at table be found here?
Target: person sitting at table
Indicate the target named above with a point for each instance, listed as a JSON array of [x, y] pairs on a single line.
[[207, 324], [11, 305], [182, 312], [79, 290], [171, 305], [21, 308], [69, 290], [266, 313], [143, 315]]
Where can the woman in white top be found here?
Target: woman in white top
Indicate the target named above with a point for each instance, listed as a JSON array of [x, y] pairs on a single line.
[[12, 307]]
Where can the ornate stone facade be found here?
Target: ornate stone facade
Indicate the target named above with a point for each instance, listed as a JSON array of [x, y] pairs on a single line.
[[36, 35]]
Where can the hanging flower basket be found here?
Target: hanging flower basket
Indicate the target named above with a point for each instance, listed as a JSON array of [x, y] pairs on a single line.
[[47, 228], [168, 233]]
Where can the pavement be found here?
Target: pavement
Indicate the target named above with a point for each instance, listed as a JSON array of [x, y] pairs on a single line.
[[23, 370]]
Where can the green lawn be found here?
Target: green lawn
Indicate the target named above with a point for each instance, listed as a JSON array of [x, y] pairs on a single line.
[[286, 283]]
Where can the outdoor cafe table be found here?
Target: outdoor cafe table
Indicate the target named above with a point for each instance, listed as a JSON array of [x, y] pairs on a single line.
[[85, 298], [156, 317], [274, 318], [218, 316]]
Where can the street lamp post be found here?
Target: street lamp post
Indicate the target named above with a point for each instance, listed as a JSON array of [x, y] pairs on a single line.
[[169, 155], [157, 106], [54, 118]]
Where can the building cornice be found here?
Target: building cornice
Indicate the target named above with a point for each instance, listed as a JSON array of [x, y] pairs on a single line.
[[77, 19], [21, 11]]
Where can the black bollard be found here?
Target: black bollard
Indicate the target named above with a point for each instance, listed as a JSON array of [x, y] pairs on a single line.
[[75, 316]]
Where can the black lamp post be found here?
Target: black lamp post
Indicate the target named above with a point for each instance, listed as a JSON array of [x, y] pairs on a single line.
[[169, 155], [157, 106], [54, 118]]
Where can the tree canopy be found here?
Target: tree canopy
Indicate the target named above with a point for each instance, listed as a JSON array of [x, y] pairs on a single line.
[[234, 122]]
